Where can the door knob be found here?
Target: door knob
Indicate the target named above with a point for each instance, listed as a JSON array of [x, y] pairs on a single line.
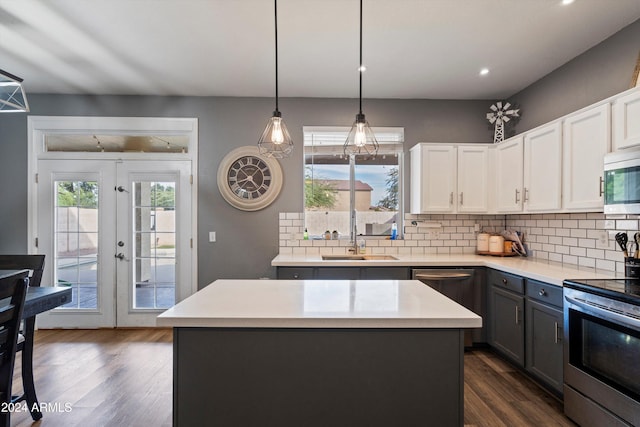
[[121, 189], [121, 243], [120, 256]]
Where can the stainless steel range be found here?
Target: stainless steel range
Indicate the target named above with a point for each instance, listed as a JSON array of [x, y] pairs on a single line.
[[602, 352]]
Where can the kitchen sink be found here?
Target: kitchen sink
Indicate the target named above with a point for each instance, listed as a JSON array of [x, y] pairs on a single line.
[[357, 257]]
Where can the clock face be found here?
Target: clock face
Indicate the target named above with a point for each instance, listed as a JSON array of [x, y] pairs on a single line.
[[248, 180], [249, 177]]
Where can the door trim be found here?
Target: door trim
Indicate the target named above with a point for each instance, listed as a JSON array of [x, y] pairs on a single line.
[[38, 127]]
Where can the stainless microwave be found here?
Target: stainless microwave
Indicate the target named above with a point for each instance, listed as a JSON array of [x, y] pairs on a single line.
[[622, 182]]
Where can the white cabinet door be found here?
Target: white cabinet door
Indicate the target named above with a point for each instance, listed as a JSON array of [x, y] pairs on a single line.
[[473, 175], [543, 169], [438, 178], [586, 139], [509, 155], [626, 121]]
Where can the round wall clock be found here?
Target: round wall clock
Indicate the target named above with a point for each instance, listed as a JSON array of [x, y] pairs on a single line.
[[248, 180]]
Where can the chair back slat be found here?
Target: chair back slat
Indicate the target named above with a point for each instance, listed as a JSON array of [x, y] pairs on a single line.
[[33, 263]]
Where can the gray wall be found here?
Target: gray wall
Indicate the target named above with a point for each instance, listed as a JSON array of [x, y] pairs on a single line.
[[600, 72], [246, 241]]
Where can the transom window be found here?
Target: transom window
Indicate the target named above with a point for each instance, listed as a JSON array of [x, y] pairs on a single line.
[[327, 182]]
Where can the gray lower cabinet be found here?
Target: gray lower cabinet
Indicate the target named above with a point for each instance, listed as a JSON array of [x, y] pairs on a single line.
[[544, 322], [506, 323]]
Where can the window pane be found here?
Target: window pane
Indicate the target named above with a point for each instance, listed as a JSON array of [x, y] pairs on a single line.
[[327, 185]]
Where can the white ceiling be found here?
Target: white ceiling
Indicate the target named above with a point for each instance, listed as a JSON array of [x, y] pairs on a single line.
[[412, 48]]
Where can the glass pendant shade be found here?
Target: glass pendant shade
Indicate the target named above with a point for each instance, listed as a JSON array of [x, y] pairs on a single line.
[[275, 140], [361, 139], [12, 96]]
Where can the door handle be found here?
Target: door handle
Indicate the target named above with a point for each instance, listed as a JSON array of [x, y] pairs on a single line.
[[121, 189], [601, 186], [526, 195], [461, 198], [517, 194], [557, 333], [451, 198], [517, 316], [121, 256]]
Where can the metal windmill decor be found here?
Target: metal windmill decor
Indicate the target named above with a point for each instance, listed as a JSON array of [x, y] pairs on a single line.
[[498, 116]]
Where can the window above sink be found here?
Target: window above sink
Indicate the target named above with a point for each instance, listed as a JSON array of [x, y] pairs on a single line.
[[378, 184]]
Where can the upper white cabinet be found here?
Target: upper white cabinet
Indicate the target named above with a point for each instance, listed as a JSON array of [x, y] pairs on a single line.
[[626, 121], [528, 171], [509, 174], [449, 178], [586, 139], [543, 169], [474, 164]]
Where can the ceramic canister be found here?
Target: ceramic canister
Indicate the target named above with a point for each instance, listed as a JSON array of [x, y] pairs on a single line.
[[483, 242], [496, 244]]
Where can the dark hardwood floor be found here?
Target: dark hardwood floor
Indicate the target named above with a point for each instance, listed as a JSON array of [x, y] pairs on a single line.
[[123, 378]]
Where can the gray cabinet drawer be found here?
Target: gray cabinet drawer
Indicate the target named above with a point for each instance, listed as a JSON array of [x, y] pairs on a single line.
[[544, 292], [301, 273], [507, 281]]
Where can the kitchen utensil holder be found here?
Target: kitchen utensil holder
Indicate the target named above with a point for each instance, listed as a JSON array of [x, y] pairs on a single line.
[[632, 267]]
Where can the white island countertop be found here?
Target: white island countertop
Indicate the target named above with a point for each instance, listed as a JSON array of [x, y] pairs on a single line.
[[319, 304]]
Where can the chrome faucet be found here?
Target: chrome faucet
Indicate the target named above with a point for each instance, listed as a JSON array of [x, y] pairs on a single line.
[[353, 233]]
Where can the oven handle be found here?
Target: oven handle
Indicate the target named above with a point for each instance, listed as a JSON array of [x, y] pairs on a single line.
[[605, 313]]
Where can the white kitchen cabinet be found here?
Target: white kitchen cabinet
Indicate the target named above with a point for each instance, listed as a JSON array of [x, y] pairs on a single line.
[[626, 121], [543, 169], [586, 139], [433, 178], [509, 174], [474, 163], [450, 178]]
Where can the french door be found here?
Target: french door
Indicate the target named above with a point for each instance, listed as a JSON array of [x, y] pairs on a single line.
[[118, 232]]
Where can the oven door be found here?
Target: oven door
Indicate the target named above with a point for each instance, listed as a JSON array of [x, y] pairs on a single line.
[[601, 360]]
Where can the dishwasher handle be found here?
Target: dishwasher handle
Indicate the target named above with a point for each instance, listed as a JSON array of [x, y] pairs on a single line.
[[441, 276]]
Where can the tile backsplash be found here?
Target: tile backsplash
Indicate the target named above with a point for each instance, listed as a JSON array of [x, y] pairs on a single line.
[[571, 238]]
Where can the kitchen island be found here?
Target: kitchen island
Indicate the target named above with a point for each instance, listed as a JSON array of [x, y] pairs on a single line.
[[318, 353]]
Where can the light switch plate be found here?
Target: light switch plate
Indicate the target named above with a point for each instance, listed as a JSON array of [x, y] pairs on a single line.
[[212, 236]]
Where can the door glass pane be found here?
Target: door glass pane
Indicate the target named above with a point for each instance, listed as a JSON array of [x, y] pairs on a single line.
[[76, 250], [155, 244]]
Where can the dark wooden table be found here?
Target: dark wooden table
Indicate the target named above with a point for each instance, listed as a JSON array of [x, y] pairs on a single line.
[[38, 300]]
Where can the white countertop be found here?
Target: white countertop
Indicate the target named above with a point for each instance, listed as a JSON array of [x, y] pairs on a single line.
[[319, 304], [545, 271]]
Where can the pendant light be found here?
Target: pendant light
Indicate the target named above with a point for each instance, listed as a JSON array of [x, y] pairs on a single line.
[[361, 139], [275, 140], [12, 96]]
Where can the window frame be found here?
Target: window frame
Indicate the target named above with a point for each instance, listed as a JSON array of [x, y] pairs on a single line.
[[391, 140]]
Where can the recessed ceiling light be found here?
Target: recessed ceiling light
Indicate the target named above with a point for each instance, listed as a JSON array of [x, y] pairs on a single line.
[[484, 71], [566, 2]]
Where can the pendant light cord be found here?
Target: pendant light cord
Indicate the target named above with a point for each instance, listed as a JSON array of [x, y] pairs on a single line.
[[275, 2], [360, 68]]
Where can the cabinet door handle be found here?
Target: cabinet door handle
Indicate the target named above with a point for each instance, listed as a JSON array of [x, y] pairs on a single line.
[[601, 186], [461, 198], [557, 333], [517, 196], [504, 281], [296, 275], [526, 195], [517, 316], [451, 198], [542, 292]]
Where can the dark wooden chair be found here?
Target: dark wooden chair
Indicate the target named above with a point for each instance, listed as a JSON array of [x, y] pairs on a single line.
[[13, 290], [35, 265]]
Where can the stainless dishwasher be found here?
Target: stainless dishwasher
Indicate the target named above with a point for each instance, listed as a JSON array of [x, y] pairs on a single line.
[[454, 283]]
